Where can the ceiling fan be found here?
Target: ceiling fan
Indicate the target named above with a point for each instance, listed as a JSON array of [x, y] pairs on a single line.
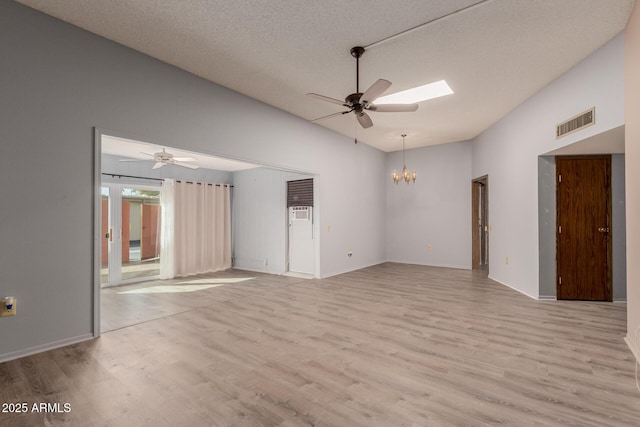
[[163, 158], [359, 103]]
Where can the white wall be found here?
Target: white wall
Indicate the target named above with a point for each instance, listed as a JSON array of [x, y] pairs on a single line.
[[260, 219], [618, 229], [508, 152], [58, 83], [354, 220], [435, 211], [632, 160]]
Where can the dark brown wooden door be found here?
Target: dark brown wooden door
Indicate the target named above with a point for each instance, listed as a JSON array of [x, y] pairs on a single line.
[[583, 202]]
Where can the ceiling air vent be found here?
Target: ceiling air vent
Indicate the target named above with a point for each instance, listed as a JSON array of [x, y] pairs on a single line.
[[576, 123]]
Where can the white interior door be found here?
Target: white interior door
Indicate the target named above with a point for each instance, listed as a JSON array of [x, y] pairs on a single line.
[[301, 243], [111, 235]]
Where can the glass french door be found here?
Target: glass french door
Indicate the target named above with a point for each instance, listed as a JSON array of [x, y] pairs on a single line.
[[130, 234]]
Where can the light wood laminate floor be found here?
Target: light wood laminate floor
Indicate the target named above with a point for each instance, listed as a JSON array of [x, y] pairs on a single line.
[[389, 345]]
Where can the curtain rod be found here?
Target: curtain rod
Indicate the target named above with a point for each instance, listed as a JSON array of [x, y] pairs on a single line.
[[199, 183], [118, 175]]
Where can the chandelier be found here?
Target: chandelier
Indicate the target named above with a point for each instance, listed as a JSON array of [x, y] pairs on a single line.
[[405, 173]]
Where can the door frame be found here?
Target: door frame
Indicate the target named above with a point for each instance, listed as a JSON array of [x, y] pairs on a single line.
[[117, 225], [96, 211], [476, 237], [609, 201]]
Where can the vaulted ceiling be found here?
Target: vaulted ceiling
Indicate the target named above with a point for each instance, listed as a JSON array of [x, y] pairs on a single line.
[[494, 54]]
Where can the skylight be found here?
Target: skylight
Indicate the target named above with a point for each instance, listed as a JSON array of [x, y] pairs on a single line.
[[417, 94]]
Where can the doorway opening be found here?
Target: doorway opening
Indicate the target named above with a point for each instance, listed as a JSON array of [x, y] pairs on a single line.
[[480, 224], [583, 209], [130, 235]]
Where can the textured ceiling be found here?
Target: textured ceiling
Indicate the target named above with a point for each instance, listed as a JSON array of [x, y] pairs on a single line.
[[493, 55]]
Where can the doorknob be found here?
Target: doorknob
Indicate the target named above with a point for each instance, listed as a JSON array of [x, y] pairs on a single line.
[[603, 229]]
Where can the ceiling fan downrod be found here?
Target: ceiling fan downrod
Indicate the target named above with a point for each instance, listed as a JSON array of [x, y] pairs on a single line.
[[357, 52]]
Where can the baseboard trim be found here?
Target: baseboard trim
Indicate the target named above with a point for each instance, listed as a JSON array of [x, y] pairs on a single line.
[[337, 273], [515, 289], [620, 300], [454, 266], [547, 298], [635, 351], [44, 347]]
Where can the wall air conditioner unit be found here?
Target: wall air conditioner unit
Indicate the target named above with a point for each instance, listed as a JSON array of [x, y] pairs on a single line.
[[301, 213]]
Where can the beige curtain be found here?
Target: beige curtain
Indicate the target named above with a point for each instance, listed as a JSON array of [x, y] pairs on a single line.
[[202, 228]]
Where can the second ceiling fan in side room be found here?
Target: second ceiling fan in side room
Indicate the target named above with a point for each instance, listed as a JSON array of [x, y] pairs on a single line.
[[164, 158], [361, 102]]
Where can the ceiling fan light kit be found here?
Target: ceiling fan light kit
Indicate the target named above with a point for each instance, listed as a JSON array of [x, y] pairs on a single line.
[[361, 102]]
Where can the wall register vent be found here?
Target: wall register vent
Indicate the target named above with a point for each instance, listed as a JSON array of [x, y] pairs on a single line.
[[576, 123]]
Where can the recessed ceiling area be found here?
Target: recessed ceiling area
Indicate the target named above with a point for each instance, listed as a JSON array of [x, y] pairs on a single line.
[[136, 150], [494, 54]]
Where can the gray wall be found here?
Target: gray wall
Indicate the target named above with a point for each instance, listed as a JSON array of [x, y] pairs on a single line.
[[429, 221], [547, 227], [58, 83]]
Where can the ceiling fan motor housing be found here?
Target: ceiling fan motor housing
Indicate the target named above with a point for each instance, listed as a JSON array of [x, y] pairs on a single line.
[[357, 51]]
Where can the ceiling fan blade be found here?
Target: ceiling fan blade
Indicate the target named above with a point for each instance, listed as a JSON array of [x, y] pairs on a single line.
[[186, 165], [158, 165], [147, 154], [327, 99], [329, 116], [133, 160], [184, 159], [364, 120], [374, 91], [393, 108]]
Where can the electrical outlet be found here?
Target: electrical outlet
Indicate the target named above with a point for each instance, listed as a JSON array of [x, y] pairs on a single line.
[[349, 253], [506, 260], [4, 307], [266, 261]]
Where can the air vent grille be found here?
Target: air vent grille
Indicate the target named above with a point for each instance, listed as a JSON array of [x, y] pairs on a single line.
[[300, 192], [576, 123]]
